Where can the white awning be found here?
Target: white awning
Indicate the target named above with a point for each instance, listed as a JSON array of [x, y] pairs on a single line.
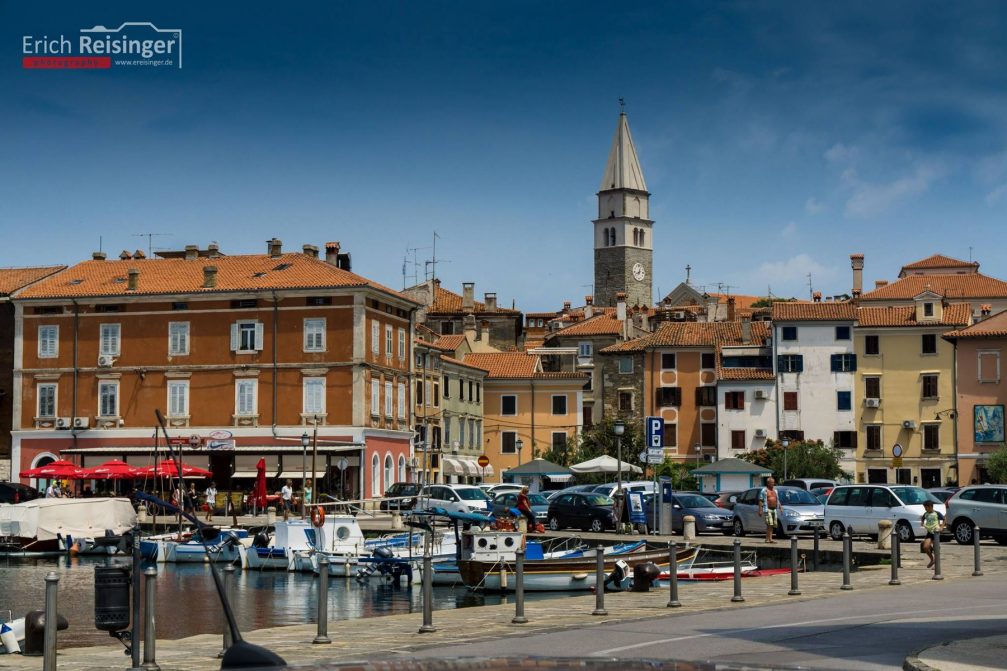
[[452, 466], [563, 477], [294, 475]]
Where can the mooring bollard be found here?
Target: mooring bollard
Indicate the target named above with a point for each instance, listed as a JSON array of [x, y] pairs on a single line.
[[794, 591], [228, 579], [149, 613], [977, 561], [51, 623], [847, 551], [884, 534], [814, 554], [673, 601], [428, 595], [323, 601], [937, 556], [896, 551], [737, 572], [599, 583], [519, 617]]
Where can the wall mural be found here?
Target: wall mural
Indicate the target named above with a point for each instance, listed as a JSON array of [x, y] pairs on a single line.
[[989, 423]]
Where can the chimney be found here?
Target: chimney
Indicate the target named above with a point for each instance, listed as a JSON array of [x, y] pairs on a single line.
[[491, 301], [98, 256], [133, 281], [275, 247], [468, 296], [469, 327], [310, 250], [711, 309], [209, 277], [138, 254], [125, 255], [620, 306], [332, 252], [191, 252], [857, 263], [213, 250], [730, 309], [566, 306], [343, 262], [746, 331], [484, 327], [817, 296], [588, 307], [880, 283]]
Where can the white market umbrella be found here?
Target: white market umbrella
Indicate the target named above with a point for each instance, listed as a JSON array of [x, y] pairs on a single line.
[[604, 464]]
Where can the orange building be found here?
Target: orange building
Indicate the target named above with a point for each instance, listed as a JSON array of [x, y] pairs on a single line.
[[245, 354]]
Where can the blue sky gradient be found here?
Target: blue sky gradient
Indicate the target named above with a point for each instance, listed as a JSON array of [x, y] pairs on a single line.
[[776, 138]]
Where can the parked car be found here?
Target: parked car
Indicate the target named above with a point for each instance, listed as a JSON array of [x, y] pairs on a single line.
[[567, 490], [809, 483], [400, 496], [708, 516], [608, 489], [860, 508], [982, 505], [504, 501], [726, 500], [585, 510], [494, 488], [798, 512], [454, 498], [15, 492], [822, 493], [943, 493]]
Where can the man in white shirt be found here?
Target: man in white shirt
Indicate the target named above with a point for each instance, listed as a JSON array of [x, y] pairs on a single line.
[[287, 496], [211, 500], [52, 491]]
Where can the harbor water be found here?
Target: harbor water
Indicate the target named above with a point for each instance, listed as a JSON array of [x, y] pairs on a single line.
[[187, 602]]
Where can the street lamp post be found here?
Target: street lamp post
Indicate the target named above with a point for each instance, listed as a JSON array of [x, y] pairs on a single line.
[[699, 452], [520, 446], [304, 467], [619, 428], [786, 443]]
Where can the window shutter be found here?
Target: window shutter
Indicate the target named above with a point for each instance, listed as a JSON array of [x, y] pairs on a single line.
[[234, 337], [799, 368], [834, 362], [853, 437], [259, 326], [853, 362]]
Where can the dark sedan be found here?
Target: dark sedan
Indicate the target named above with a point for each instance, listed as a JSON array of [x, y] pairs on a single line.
[[400, 496], [583, 510], [708, 516], [502, 504]]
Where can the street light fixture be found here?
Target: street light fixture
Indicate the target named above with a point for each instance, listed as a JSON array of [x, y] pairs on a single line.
[[699, 453], [520, 446], [786, 443], [619, 428], [304, 468]]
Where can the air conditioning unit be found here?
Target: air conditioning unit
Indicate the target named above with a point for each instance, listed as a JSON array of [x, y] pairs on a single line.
[[678, 314], [760, 433], [63, 422], [909, 424], [80, 422], [105, 361], [761, 395], [872, 402]]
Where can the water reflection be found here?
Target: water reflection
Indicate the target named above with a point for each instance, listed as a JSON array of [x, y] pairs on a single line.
[[187, 603]]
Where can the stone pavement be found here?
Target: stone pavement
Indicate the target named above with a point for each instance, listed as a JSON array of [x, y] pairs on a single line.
[[974, 654], [396, 635]]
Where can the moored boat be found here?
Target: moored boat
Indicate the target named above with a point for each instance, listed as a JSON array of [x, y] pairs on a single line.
[[37, 526]]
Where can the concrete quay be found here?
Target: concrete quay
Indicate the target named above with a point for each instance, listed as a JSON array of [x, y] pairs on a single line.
[[397, 636]]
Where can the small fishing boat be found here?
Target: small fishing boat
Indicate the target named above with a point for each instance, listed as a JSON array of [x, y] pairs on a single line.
[[222, 546], [339, 537], [271, 551]]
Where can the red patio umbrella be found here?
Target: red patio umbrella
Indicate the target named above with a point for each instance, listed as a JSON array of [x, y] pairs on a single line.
[[59, 469], [167, 469], [111, 470], [259, 493]]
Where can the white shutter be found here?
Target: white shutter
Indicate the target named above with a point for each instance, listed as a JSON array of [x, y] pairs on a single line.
[[235, 337], [258, 335], [402, 400]]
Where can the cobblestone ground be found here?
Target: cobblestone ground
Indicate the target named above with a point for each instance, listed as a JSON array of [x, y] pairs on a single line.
[[397, 635]]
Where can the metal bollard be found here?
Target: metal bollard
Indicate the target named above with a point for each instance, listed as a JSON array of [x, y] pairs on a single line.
[[977, 561], [323, 601], [228, 579], [519, 617], [51, 622], [737, 572], [149, 613], [673, 601], [794, 591], [847, 551], [814, 554], [599, 583], [896, 551], [937, 556], [428, 595]]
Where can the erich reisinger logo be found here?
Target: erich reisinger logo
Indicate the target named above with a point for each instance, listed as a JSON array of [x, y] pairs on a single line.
[[133, 44]]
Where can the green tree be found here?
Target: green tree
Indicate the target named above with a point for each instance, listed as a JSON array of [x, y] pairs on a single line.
[[997, 465], [803, 459], [681, 479], [600, 440]]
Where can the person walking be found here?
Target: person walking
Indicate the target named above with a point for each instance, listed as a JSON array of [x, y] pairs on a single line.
[[287, 498], [211, 500], [933, 522], [769, 504]]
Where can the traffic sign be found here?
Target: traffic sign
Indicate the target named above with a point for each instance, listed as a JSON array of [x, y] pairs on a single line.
[[195, 440], [483, 461], [896, 462], [652, 456], [896, 450], [342, 464], [655, 432]]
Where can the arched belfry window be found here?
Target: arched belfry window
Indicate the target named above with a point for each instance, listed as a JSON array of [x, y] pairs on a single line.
[[642, 234]]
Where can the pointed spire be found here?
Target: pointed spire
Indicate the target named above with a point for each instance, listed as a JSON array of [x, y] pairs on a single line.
[[623, 168]]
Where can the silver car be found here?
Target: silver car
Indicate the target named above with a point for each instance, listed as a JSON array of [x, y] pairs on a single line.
[[982, 505], [799, 512]]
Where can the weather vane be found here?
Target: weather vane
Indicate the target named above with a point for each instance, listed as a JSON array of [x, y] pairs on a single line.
[[622, 105]]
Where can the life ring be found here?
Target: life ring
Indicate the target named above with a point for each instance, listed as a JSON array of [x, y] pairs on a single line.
[[317, 516]]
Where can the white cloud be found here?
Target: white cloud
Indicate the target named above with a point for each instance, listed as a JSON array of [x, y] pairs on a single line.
[[813, 206], [996, 194], [840, 153], [793, 272], [789, 231], [871, 199]]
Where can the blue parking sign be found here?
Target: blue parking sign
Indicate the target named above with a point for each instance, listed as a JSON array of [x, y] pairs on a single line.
[[655, 432]]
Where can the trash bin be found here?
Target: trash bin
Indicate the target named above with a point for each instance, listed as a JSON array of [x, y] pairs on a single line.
[[111, 598]]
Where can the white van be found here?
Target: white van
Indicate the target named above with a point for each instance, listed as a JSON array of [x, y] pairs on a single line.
[[608, 489], [859, 508]]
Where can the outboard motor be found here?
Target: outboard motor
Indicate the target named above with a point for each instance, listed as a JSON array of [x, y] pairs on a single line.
[[261, 540], [383, 552], [645, 575], [613, 583]]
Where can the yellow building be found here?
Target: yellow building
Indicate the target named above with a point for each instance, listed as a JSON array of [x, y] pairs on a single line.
[[904, 393], [527, 412]]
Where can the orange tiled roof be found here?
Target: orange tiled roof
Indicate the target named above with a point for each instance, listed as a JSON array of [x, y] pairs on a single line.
[[533, 343], [971, 285], [561, 375], [955, 314], [458, 362], [745, 374], [426, 333], [938, 261], [448, 302], [693, 334], [183, 276], [740, 300], [430, 345], [603, 324], [12, 279], [450, 342], [802, 311], [504, 364], [991, 327]]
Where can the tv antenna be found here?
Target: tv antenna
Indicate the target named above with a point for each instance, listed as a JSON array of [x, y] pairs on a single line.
[[150, 241]]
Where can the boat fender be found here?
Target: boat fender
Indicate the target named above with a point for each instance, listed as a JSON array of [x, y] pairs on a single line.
[[318, 516], [9, 639], [579, 576]]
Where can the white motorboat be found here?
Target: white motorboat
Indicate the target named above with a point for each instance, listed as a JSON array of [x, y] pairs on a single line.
[[37, 526]]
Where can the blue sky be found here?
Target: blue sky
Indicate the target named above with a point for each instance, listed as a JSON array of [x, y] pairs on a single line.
[[776, 138]]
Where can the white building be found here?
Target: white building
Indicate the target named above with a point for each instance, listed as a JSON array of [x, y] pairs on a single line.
[[815, 368]]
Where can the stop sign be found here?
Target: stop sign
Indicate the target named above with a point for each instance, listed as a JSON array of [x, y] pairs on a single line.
[[483, 461]]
